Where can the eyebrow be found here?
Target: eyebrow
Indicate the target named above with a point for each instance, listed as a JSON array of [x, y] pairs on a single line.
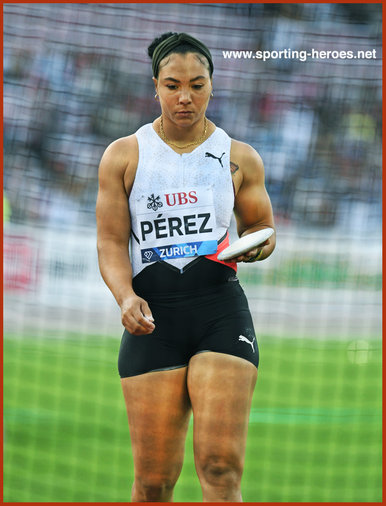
[[177, 81]]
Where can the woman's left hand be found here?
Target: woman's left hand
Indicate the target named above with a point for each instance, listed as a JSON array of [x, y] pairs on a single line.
[[252, 255]]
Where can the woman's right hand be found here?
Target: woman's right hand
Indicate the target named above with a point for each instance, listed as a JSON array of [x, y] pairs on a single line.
[[136, 316]]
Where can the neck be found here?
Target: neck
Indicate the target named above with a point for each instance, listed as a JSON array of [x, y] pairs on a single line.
[[183, 133], [183, 140]]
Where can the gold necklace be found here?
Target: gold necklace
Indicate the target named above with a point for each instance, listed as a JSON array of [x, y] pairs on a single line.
[[168, 141]]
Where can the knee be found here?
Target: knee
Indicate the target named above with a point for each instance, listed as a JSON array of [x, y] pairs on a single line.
[[224, 471], [151, 488]]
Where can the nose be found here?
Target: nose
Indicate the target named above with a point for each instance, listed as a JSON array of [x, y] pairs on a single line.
[[184, 97]]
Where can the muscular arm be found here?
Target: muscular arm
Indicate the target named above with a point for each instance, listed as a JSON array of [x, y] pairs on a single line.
[[253, 210], [113, 233]]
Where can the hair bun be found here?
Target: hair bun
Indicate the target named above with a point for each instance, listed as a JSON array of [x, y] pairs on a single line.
[[158, 40]]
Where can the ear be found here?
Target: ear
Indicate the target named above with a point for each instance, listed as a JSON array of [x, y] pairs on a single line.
[[155, 81]]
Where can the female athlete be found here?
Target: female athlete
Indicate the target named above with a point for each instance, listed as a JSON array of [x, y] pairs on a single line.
[[189, 345]]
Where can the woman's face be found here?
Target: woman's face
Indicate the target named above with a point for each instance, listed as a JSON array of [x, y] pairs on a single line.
[[184, 88]]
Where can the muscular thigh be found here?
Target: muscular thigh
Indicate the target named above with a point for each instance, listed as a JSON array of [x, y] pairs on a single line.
[[163, 349], [158, 410], [226, 326], [220, 388]]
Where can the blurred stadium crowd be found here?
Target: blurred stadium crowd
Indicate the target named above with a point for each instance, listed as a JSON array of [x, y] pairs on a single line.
[[77, 76]]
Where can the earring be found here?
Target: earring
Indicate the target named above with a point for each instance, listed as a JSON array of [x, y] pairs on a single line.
[[155, 96], [212, 94]]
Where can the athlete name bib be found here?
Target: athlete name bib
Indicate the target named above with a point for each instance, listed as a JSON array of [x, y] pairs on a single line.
[[176, 224]]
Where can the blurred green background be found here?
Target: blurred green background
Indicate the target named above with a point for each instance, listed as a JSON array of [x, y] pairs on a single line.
[[315, 424]]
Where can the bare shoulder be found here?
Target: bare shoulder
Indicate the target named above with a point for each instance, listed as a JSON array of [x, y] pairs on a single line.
[[120, 160], [245, 154]]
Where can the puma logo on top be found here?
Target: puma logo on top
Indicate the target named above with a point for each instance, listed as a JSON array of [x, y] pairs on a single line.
[[245, 339], [216, 157]]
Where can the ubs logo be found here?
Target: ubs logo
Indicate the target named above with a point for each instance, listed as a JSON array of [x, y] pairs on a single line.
[[181, 198], [154, 202]]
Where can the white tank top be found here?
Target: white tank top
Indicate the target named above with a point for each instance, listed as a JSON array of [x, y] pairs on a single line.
[[180, 204]]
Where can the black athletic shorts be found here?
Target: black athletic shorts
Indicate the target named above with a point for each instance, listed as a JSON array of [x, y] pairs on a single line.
[[215, 318]]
